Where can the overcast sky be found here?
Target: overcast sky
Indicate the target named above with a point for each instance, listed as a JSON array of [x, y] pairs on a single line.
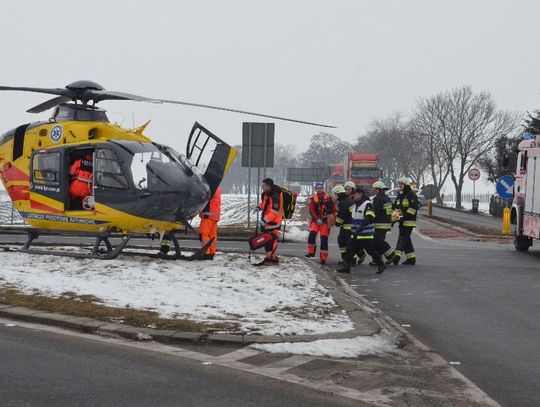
[[338, 62]]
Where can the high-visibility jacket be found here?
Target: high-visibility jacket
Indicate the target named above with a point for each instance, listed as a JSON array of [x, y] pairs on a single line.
[[382, 206], [81, 174], [343, 215], [272, 208], [321, 206], [361, 218], [212, 210], [407, 203]]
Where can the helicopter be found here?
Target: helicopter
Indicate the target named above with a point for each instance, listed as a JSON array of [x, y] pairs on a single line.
[[137, 187]]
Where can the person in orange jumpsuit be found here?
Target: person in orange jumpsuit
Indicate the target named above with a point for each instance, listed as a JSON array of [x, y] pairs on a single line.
[[322, 211], [271, 206], [81, 175], [208, 228]]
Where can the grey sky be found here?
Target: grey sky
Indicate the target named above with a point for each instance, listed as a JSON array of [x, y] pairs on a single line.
[[340, 62]]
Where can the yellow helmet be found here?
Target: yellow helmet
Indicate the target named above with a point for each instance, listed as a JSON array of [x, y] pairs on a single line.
[[350, 184], [379, 185], [338, 189], [404, 181]]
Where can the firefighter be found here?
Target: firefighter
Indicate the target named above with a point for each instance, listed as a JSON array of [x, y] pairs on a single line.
[[208, 228], [382, 206], [361, 217], [407, 205], [349, 188], [271, 206], [80, 184], [344, 203], [323, 212]]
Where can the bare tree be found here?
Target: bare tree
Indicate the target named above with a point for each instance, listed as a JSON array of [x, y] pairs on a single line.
[[471, 126], [400, 153], [428, 125], [327, 148]]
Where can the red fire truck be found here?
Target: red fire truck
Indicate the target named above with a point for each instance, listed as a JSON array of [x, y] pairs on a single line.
[[362, 169], [525, 212]]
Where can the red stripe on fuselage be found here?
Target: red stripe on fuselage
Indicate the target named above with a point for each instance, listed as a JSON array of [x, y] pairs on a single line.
[[43, 207]]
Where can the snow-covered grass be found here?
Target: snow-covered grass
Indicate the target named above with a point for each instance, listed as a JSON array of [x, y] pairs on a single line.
[[296, 234], [377, 345], [482, 206], [283, 300]]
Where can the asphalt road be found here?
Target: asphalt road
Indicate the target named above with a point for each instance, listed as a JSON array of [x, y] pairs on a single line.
[[475, 303], [47, 369]]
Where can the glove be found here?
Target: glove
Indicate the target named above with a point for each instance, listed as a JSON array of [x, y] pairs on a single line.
[[257, 209], [319, 222]]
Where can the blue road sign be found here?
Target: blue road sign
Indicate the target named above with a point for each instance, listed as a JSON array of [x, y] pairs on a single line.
[[505, 187]]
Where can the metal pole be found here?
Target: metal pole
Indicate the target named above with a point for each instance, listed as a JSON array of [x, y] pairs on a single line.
[[12, 212], [265, 144], [258, 194], [249, 179]]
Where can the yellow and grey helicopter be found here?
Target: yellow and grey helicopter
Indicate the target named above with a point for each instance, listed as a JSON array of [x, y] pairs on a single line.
[[138, 186]]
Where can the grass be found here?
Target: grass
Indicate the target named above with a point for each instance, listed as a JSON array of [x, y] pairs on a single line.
[[480, 230], [90, 306]]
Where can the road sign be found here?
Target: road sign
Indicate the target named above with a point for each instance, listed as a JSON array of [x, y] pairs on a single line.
[[258, 145], [474, 174], [429, 191], [505, 187]]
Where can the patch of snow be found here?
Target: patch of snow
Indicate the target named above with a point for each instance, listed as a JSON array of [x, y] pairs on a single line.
[[283, 300], [377, 345], [295, 234]]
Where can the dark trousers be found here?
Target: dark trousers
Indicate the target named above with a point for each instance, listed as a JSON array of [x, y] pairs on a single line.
[[356, 246], [381, 244], [404, 243], [342, 240]]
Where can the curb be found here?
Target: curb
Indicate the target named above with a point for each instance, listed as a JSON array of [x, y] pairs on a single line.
[[462, 230], [365, 325]]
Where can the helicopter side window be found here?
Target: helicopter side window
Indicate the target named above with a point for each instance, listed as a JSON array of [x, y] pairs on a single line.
[[108, 171], [46, 169]]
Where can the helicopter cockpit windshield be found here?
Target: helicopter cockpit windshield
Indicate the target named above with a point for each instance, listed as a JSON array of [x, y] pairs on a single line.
[[156, 168]]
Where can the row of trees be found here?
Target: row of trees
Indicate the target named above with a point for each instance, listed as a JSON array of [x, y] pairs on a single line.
[[443, 138]]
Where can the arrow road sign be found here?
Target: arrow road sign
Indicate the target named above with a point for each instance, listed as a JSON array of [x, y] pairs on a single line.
[[505, 187]]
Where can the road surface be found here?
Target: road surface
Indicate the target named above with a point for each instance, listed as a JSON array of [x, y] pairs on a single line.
[[48, 369]]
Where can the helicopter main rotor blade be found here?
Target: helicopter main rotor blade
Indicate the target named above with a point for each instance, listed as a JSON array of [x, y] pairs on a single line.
[[112, 95], [49, 104], [51, 91]]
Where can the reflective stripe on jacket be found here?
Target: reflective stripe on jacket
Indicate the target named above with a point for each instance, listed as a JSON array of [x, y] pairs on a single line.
[[362, 217], [321, 206], [272, 208], [407, 203], [382, 206]]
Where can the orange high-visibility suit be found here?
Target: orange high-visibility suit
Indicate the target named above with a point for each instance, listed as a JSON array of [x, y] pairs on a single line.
[[208, 228], [272, 215], [321, 209], [81, 173]]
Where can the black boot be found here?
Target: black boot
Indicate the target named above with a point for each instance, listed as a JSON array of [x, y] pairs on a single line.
[[410, 262], [344, 269], [381, 268], [309, 255]]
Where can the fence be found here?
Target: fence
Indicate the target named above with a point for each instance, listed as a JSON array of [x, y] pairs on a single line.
[[467, 198], [492, 204]]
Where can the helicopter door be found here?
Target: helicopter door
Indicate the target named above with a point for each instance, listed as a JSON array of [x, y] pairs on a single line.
[[46, 192], [210, 154]]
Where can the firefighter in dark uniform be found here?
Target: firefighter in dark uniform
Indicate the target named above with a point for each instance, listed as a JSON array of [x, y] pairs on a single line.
[[382, 206], [344, 202], [407, 205], [361, 218]]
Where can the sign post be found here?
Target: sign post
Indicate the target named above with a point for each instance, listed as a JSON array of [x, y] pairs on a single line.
[[257, 152], [505, 189], [474, 175]]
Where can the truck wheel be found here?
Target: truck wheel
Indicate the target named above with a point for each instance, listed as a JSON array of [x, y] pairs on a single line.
[[522, 243]]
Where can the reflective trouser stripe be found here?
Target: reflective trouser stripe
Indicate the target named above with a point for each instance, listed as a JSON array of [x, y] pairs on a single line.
[[411, 211], [343, 249], [362, 237], [409, 223], [385, 226], [411, 255], [388, 253], [398, 253]]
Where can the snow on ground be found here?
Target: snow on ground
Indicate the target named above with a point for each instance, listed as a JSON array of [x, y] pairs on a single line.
[[284, 299], [234, 211], [296, 234], [482, 206], [377, 345]]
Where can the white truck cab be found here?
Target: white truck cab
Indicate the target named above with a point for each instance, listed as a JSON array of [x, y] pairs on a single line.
[[525, 213]]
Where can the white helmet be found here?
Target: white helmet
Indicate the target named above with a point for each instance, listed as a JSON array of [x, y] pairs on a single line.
[[350, 184], [379, 185], [404, 181], [338, 189]]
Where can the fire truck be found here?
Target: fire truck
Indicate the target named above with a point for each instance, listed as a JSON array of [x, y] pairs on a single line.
[[362, 169], [525, 212]]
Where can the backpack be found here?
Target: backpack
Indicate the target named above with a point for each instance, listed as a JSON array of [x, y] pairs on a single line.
[[289, 202]]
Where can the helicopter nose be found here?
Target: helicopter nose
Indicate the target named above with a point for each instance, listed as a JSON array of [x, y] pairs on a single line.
[[193, 200]]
